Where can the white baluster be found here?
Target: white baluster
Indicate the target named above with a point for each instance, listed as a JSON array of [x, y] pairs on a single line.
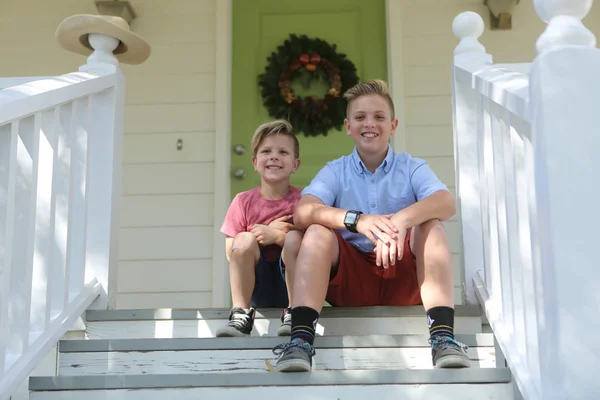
[[102, 60], [468, 27], [564, 24]]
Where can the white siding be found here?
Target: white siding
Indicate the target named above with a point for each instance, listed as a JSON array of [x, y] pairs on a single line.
[[167, 208], [428, 51], [166, 235]]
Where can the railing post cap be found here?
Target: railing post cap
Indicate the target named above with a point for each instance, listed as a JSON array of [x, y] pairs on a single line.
[[548, 9], [468, 27], [564, 24], [468, 24]]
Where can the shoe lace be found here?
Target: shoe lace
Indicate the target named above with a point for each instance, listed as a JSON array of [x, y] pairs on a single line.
[[238, 320], [445, 342], [293, 346]]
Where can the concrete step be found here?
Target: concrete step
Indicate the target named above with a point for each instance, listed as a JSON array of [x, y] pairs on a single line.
[[234, 355], [169, 323], [464, 384]]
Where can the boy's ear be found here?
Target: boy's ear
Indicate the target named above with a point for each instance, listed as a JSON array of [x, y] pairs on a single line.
[[254, 162], [394, 126], [296, 165], [347, 125]]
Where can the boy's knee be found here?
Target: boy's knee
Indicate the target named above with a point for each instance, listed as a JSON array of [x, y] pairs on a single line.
[[244, 243], [433, 225], [431, 232], [319, 232], [293, 240]]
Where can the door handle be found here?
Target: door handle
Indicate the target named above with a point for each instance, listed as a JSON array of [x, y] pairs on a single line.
[[239, 149], [239, 173]]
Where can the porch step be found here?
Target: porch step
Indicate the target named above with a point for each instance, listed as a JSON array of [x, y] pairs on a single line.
[[465, 384], [234, 355], [203, 323]]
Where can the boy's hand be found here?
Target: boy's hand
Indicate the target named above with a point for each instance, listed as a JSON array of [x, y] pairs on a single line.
[[282, 224], [376, 226], [266, 235], [388, 253]]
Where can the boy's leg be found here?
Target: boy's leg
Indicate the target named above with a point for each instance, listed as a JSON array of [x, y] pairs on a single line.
[[289, 255], [244, 256], [291, 248], [319, 251], [429, 245]]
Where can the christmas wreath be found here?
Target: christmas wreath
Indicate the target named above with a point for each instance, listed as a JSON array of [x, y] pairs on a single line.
[[309, 60]]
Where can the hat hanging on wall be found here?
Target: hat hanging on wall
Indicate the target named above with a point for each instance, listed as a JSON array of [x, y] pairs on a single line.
[[73, 33]]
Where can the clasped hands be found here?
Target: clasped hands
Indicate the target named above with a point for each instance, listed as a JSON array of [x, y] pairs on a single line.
[[269, 234], [387, 232]]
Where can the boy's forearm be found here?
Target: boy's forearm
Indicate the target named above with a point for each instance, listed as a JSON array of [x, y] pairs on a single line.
[[440, 205], [330, 217], [280, 240], [314, 213]]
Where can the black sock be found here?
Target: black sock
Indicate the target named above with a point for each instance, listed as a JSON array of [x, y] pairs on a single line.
[[304, 323], [441, 321]]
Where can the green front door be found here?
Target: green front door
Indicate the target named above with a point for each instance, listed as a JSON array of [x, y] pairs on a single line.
[[358, 29]]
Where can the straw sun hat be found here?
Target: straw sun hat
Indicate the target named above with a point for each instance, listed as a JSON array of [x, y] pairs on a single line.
[[72, 34]]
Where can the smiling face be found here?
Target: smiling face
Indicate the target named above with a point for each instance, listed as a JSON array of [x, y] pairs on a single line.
[[275, 160], [370, 124]]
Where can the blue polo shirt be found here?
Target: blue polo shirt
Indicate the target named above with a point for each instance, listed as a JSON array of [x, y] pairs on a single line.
[[398, 182]]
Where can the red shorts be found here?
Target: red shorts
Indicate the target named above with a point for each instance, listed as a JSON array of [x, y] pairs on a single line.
[[360, 282]]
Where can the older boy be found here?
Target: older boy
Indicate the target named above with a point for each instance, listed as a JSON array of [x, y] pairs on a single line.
[[255, 227], [372, 236]]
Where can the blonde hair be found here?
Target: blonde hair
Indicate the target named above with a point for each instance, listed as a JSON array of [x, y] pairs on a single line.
[[277, 127], [375, 86]]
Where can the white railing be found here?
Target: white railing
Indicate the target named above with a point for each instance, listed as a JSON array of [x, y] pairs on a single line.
[[20, 80], [60, 169], [526, 146]]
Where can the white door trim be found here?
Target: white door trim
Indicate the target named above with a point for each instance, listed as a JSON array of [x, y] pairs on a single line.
[[394, 12], [223, 41], [394, 16]]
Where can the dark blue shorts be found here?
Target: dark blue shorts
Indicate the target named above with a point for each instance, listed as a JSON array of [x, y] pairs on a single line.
[[270, 290]]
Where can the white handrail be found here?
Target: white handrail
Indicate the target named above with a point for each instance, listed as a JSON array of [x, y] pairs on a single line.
[[525, 141], [19, 80], [19, 101], [60, 169]]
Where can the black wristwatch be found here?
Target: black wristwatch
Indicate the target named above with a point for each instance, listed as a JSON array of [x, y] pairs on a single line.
[[351, 219]]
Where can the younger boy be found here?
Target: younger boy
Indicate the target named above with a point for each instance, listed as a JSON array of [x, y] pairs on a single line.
[[255, 227], [372, 236]]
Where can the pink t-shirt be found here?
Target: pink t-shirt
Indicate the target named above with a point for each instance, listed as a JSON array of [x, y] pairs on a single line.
[[250, 208]]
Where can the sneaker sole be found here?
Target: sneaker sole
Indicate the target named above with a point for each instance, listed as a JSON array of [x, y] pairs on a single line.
[[284, 330], [292, 366], [453, 362], [231, 333]]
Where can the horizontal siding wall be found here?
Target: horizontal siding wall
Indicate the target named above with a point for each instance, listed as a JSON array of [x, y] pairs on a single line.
[[428, 51], [166, 221], [167, 194]]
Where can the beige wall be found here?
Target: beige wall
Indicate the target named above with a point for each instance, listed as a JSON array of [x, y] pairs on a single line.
[[167, 220], [428, 49]]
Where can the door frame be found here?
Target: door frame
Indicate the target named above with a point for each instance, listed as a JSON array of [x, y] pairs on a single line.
[[223, 44]]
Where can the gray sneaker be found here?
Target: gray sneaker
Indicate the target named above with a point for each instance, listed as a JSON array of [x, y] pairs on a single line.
[[240, 323], [286, 323], [295, 356], [448, 353]]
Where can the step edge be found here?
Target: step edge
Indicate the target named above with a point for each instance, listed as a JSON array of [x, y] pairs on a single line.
[[460, 311], [258, 343], [316, 378]]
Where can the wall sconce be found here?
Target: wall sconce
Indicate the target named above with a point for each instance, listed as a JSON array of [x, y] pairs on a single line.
[[116, 8], [501, 13]]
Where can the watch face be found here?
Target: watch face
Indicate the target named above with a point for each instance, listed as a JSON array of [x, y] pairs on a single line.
[[350, 218]]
